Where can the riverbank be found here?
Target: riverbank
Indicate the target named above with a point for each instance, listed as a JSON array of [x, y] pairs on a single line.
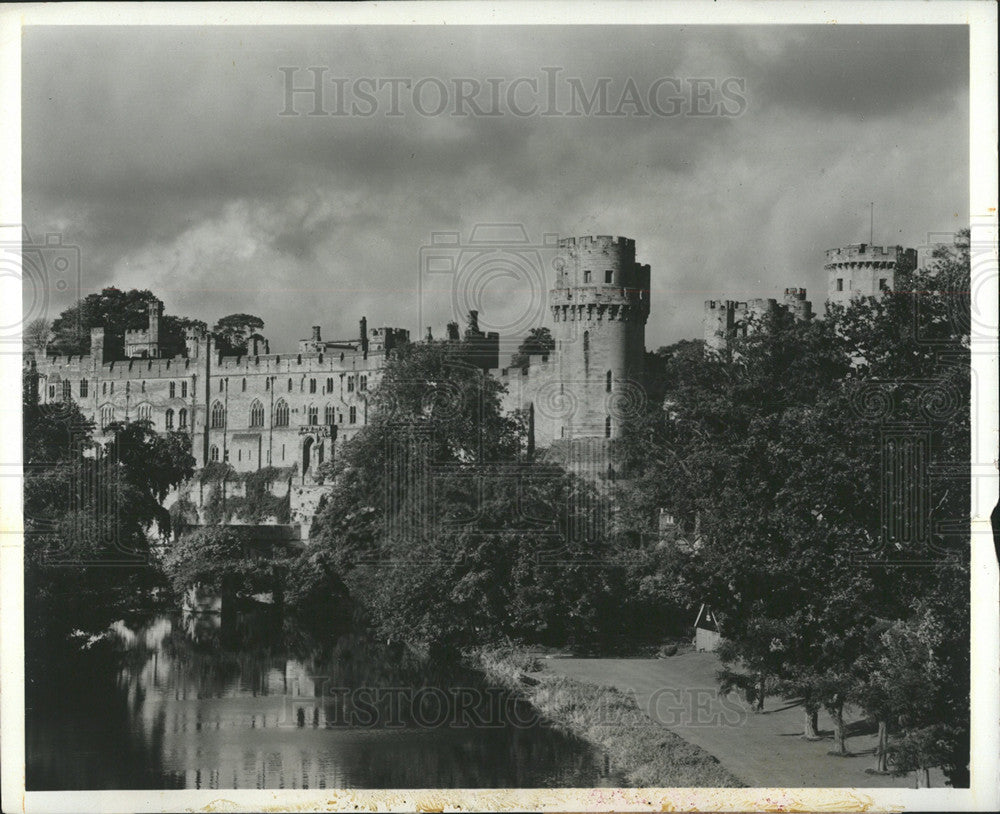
[[647, 754]]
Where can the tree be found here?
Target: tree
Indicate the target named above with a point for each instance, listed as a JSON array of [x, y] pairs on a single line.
[[538, 342], [116, 311], [36, 335], [233, 332]]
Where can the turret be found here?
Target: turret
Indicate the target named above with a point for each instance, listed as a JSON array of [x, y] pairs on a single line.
[[863, 270]]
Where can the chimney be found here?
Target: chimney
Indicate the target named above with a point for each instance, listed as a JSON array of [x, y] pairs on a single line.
[[364, 334], [474, 322], [316, 337]]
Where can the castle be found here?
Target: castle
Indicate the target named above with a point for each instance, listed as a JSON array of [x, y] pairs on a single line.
[[293, 411]]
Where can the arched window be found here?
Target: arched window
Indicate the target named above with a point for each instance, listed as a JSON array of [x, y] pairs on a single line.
[[104, 388], [213, 454], [256, 414], [328, 414], [218, 415], [364, 383], [312, 385], [607, 427], [112, 388], [83, 388], [182, 419], [221, 384], [607, 384], [329, 385], [289, 385], [107, 415], [281, 413], [184, 390], [313, 416], [244, 385], [169, 419], [350, 384], [354, 414], [143, 388], [173, 390]]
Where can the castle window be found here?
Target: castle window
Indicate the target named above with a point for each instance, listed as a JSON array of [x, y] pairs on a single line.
[[282, 452], [840, 284], [267, 383], [112, 388], [173, 390], [607, 383], [586, 276], [107, 416], [329, 385], [144, 413], [83, 388], [364, 383], [354, 414], [244, 385], [218, 415], [281, 416], [104, 388], [182, 419], [256, 414], [289, 385], [302, 385], [312, 385], [607, 427], [221, 384], [52, 392], [340, 418], [609, 277], [350, 384], [142, 387], [66, 394], [328, 414], [213, 454], [239, 455], [586, 350], [882, 284], [169, 419], [184, 390], [313, 416]]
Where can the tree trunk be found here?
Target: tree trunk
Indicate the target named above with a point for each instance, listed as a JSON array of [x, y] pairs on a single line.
[[837, 713], [923, 778], [812, 724], [760, 692], [882, 748]]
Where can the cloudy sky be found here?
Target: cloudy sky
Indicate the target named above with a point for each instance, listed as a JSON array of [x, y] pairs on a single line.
[[161, 153]]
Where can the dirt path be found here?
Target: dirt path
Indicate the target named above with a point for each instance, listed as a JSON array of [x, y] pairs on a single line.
[[763, 749]]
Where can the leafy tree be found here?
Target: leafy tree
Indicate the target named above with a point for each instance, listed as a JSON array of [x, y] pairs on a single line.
[[233, 332], [538, 342]]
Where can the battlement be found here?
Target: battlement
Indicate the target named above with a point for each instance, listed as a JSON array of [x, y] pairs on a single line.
[[795, 294], [866, 253], [590, 241]]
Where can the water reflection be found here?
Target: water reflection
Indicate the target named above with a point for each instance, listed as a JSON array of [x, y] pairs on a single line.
[[250, 701]]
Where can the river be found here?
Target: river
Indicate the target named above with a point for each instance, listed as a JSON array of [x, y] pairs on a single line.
[[250, 700]]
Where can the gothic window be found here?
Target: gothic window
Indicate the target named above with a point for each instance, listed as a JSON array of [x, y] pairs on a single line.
[[607, 427], [364, 383], [142, 388], [107, 415], [281, 415], [66, 394], [169, 419], [52, 392], [350, 384], [256, 414], [289, 385], [213, 454], [184, 390], [607, 383], [329, 385], [173, 390], [218, 415], [221, 385], [243, 386], [83, 388], [313, 416], [609, 277], [354, 414], [182, 419], [312, 385], [104, 388], [112, 388], [144, 412], [328, 414]]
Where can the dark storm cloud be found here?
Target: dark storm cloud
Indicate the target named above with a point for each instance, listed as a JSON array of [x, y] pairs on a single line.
[[160, 152]]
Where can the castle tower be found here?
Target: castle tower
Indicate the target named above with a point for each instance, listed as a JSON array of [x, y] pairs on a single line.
[[599, 307], [863, 270]]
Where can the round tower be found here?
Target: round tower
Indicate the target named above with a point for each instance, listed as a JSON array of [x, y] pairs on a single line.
[[599, 307]]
